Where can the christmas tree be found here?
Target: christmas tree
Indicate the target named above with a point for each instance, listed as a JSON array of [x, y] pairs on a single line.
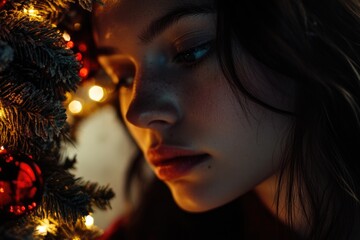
[[39, 197]]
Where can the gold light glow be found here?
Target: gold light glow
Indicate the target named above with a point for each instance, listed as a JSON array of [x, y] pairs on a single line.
[[41, 230], [66, 36], [33, 13], [96, 93], [45, 227], [77, 26], [75, 106], [89, 221], [76, 238]]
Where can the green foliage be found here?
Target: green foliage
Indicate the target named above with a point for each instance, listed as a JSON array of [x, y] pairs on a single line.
[[36, 71]]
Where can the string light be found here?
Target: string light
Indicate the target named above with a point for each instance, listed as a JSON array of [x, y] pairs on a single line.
[[66, 36], [41, 230], [45, 227], [96, 93], [75, 106], [89, 221], [33, 13]]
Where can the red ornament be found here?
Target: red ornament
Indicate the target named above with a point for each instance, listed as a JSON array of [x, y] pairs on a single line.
[[20, 184], [2, 3]]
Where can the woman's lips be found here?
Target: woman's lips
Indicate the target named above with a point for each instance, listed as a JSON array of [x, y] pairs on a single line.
[[172, 163]]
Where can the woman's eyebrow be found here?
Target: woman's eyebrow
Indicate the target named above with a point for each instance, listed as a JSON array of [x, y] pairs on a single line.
[[161, 24]]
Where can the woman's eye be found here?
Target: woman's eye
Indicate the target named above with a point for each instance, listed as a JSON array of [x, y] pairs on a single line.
[[193, 55]]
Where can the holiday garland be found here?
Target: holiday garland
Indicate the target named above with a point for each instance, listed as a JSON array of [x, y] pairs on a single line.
[[37, 69]]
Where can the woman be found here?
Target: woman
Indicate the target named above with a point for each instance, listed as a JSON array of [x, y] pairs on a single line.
[[248, 111]]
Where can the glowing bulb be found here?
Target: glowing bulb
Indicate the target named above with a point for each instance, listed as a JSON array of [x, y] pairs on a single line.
[[89, 221], [41, 230], [33, 13], [96, 93], [45, 227], [75, 106], [66, 36]]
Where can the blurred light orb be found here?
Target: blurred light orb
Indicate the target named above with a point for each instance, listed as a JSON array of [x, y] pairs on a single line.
[[41, 230], [96, 93], [75, 106], [66, 36], [89, 221]]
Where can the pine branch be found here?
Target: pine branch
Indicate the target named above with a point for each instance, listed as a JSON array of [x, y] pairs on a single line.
[[69, 163], [100, 195], [40, 54], [51, 10], [27, 230], [73, 231], [63, 199], [36, 70], [28, 115]]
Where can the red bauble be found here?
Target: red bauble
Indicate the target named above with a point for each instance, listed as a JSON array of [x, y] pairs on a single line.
[[2, 3], [20, 184]]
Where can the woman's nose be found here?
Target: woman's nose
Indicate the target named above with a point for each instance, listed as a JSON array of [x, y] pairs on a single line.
[[153, 106]]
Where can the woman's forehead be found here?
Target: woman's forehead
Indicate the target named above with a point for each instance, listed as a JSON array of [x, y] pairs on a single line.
[[145, 7], [128, 18]]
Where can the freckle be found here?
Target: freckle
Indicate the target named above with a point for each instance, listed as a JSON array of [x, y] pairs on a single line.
[[209, 166]]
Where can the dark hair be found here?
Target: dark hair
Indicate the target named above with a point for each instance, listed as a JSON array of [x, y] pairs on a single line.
[[317, 45]]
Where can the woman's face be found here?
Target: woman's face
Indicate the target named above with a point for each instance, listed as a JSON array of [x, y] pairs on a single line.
[[178, 105]]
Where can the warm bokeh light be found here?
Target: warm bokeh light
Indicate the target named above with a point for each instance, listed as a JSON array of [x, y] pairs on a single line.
[[89, 221], [33, 13], [76, 238], [78, 56], [75, 106], [70, 44], [77, 26], [45, 227], [41, 230], [82, 47], [96, 93], [84, 72], [66, 36]]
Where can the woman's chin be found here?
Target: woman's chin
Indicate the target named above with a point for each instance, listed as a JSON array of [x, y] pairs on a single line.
[[195, 203]]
